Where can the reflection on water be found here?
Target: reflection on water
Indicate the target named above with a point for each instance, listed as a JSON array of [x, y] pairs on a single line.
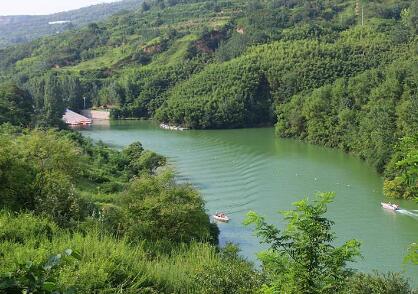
[[251, 169]]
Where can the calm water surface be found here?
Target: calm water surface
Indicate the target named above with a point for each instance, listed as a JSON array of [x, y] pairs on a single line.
[[251, 169]]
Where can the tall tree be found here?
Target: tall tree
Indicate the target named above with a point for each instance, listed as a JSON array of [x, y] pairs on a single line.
[[302, 258], [72, 91], [16, 105], [53, 107]]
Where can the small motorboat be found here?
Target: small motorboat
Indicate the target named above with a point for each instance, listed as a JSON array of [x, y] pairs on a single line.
[[390, 206], [222, 217]]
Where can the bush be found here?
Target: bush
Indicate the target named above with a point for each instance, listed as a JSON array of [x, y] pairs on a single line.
[[302, 258], [56, 197], [159, 209], [230, 274], [16, 177], [16, 106], [23, 228], [37, 173], [148, 162], [37, 278], [402, 171], [376, 283]]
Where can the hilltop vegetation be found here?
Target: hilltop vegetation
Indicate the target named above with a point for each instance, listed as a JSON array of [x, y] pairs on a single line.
[[18, 29]]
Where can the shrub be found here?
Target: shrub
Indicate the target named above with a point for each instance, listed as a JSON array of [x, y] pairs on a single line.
[[391, 283], [159, 209], [230, 274], [24, 227], [56, 197], [302, 257], [37, 278]]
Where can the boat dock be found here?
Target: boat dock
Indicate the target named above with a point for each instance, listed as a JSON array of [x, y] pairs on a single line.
[[172, 128]]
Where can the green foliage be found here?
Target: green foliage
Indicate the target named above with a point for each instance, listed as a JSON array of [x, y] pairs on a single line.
[[366, 114], [24, 227], [402, 171], [378, 284], [24, 28], [201, 64], [167, 60], [166, 211], [52, 106], [144, 90], [241, 92], [56, 197], [138, 232], [412, 256], [149, 161], [302, 257], [231, 275], [15, 174], [16, 106], [42, 172], [208, 100], [133, 151], [37, 278], [37, 171], [109, 264], [148, 224], [146, 161]]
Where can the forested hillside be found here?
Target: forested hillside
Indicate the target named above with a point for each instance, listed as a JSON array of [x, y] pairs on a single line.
[[80, 217], [18, 29], [336, 73]]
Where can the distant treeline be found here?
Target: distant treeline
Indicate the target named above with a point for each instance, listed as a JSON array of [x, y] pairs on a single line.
[[15, 30]]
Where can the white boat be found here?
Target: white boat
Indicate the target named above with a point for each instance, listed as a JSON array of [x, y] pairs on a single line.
[[222, 217], [390, 206]]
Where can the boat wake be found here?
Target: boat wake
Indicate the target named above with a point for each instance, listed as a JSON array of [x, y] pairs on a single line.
[[408, 213]]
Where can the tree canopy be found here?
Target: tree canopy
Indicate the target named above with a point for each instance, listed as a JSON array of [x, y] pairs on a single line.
[[302, 258]]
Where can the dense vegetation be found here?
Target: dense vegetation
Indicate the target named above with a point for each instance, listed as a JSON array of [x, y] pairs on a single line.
[[18, 29], [373, 114], [336, 73], [81, 217], [128, 225], [78, 217]]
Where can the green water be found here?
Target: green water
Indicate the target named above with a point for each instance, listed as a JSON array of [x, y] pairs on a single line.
[[251, 169]]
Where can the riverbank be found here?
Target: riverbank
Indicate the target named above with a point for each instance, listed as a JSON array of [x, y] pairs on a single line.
[[90, 212], [252, 169]]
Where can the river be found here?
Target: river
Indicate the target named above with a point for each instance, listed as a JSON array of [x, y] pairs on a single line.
[[251, 169]]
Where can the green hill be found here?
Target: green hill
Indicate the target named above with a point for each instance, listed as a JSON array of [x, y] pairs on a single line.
[[233, 63], [81, 217]]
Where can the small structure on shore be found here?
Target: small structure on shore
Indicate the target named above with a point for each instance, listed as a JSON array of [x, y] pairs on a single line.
[[74, 119], [95, 114], [172, 128]]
